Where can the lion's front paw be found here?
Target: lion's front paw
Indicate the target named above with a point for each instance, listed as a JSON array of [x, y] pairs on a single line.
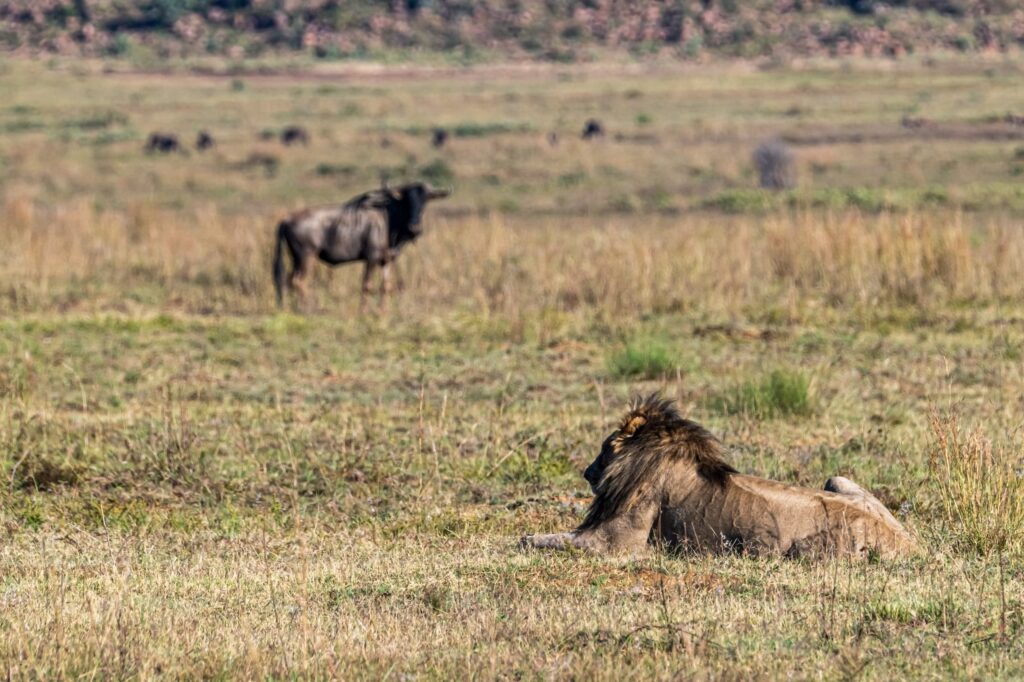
[[553, 541]]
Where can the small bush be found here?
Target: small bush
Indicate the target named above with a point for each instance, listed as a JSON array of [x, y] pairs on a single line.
[[485, 129], [775, 166], [644, 359], [329, 169], [97, 121], [980, 487], [437, 172], [781, 393], [741, 201]]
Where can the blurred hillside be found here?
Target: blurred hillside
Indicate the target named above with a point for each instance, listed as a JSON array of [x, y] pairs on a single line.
[[559, 30]]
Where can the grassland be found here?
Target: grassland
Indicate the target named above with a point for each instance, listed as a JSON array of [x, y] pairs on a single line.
[[195, 484]]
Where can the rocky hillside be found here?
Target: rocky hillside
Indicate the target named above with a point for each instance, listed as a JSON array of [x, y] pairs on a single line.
[[563, 30]]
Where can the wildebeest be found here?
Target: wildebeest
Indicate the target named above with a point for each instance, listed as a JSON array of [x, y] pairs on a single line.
[[553, 139], [204, 141], [371, 227], [592, 129], [440, 137], [294, 135], [163, 142]]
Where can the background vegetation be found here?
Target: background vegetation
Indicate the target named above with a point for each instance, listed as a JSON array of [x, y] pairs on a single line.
[[555, 30]]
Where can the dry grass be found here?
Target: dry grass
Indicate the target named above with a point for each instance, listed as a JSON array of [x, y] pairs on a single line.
[[207, 262], [980, 486]]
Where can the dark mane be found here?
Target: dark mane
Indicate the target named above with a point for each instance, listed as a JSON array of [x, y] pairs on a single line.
[[654, 438]]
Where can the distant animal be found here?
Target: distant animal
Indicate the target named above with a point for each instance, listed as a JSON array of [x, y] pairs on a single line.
[[916, 122], [776, 167], [294, 135], [592, 129], [204, 141], [165, 143], [661, 479], [1014, 119], [372, 227], [553, 139], [439, 138]]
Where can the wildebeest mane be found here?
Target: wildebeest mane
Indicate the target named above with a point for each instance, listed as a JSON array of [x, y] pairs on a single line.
[[404, 207], [652, 440]]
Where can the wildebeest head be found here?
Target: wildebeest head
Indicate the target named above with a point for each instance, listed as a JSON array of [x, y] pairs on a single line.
[[405, 206]]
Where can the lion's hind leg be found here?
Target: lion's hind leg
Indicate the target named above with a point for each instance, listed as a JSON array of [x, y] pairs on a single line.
[[844, 486]]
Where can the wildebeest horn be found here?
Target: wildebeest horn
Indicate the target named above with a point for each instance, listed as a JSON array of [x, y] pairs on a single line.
[[439, 193], [386, 188]]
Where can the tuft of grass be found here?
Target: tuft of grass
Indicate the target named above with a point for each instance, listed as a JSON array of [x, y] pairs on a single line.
[[980, 487], [98, 120], [328, 169], [643, 359], [437, 172], [780, 393]]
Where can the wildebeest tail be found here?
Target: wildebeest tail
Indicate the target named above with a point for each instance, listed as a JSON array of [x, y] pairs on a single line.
[[279, 261]]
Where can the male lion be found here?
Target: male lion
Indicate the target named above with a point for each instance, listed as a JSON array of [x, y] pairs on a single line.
[[661, 479]]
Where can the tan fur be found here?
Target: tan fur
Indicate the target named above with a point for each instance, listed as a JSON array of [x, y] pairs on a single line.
[[661, 479]]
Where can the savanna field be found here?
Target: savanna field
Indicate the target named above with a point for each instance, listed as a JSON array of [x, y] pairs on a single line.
[[196, 484]]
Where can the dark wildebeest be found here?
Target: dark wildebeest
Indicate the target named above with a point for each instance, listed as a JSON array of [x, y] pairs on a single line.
[[592, 129], [294, 135], [372, 228], [163, 142], [204, 141], [439, 138]]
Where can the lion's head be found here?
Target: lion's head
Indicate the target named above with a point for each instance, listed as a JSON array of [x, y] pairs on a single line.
[[651, 434], [650, 410]]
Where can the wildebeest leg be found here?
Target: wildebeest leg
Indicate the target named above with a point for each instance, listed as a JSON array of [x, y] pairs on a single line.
[[297, 280], [367, 276], [399, 282], [385, 283]]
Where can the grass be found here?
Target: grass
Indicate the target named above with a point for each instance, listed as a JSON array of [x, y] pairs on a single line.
[[980, 486], [194, 483], [643, 359], [780, 393]]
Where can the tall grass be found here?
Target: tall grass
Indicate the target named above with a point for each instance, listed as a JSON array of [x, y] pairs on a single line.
[[203, 260], [979, 486]]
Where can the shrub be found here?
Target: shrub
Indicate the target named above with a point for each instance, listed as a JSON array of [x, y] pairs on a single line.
[[645, 359], [329, 169], [775, 166], [484, 129], [781, 393], [741, 201], [437, 172], [980, 487]]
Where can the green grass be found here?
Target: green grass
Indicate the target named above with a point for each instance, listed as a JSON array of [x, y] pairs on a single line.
[[780, 393], [643, 359]]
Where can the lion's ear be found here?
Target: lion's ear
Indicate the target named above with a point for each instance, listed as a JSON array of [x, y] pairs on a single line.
[[632, 424]]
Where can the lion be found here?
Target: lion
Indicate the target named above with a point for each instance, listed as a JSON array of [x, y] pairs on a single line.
[[661, 479]]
